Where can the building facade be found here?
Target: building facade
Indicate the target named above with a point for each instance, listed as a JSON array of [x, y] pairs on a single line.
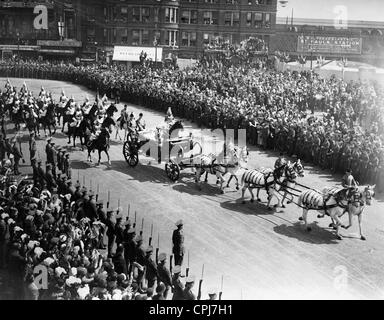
[[183, 27], [366, 34], [30, 28]]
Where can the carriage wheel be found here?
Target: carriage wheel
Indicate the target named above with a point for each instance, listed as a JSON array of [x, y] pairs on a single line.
[[172, 170], [130, 154]]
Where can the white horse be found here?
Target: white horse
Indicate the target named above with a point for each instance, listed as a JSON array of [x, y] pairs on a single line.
[[328, 202], [360, 199], [232, 163], [269, 180]]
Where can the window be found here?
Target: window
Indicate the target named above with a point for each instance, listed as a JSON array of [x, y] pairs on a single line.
[[232, 19], [188, 39], [135, 37], [156, 15], [145, 14], [171, 15], [124, 35], [140, 14], [232, 1], [258, 19], [211, 1], [124, 10], [189, 16], [171, 38], [136, 14], [267, 20], [145, 37], [210, 17], [249, 19]]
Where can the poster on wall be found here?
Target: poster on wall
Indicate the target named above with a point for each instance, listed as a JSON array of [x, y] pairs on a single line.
[[129, 53]]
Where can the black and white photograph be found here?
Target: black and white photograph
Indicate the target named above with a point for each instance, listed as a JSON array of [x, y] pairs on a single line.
[[196, 150]]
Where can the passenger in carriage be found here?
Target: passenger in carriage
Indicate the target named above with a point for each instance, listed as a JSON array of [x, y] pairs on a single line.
[[132, 125], [140, 123], [169, 118]]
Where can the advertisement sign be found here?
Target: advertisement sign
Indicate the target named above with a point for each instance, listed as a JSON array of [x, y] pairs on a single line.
[[325, 44], [126, 53]]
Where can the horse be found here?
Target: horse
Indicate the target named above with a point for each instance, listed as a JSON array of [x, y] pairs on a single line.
[[67, 118], [31, 120], [78, 129], [269, 180], [101, 143], [238, 170], [328, 202], [48, 119], [290, 179], [360, 199]]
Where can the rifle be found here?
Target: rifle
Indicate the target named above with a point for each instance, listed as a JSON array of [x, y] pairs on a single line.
[[128, 211], [142, 226], [90, 184], [170, 263], [157, 249], [200, 283], [108, 199], [84, 181], [221, 289], [187, 272], [78, 176], [97, 193], [134, 224], [118, 206], [150, 238]]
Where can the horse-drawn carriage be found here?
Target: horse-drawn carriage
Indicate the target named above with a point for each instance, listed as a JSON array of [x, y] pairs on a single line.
[[170, 143]]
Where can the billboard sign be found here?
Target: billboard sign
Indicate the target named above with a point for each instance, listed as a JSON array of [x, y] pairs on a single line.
[[326, 44], [127, 53]]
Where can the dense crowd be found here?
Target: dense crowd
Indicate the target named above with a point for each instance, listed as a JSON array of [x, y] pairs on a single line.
[[52, 240], [272, 106]]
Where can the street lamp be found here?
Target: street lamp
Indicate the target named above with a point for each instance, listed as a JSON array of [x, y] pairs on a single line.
[[18, 44], [61, 29], [155, 43]]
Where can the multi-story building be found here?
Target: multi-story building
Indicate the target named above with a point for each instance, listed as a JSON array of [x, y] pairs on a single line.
[[184, 27], [19, 34], [355, 40]]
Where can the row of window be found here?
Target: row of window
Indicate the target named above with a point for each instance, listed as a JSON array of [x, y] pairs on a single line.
[[171, 15], [171, 38]]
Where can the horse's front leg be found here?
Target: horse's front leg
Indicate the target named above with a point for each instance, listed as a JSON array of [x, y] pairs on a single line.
[[99, 156], [109, 161], [222, 181], [360, 217]]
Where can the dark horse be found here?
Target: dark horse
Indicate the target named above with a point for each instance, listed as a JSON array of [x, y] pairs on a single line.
[[101, 143], [79, 130], [49, 119]]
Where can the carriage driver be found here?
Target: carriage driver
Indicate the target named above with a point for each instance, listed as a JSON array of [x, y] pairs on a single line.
[[349, 183], [132, 125]]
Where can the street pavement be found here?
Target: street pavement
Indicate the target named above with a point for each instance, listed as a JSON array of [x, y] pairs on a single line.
[[260, 254]]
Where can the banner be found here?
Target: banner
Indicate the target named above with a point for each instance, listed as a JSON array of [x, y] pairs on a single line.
[[325, 44], [125, 53]]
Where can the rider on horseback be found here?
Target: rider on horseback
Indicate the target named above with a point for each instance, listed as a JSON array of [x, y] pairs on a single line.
[[349, 183], [169, 118]]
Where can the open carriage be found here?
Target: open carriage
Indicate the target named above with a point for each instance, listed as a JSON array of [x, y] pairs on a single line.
[[171, 144]]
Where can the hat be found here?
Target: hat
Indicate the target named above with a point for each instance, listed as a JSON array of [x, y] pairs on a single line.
[[149, 249], [49, 138], [177, 269], [139, 238], [162, 256], [190, 279], [179, 223]]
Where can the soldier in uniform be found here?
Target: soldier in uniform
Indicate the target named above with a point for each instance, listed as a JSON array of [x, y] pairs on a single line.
[[349, 183], [59, 159], [111, 223], [17, 157], [32, 149], [77, 192], [48, 149], [40, 174], [364, 166], [151, 268], [178, 243], [324, 149], [129, 246], [91, 211], [51, 183], [280, 161], [164, 274], [67, 166], [187, 293], [177, 285], [102, 217]]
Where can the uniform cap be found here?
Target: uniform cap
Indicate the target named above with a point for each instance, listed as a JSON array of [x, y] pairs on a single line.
[[162, 256], [49, 138], [131, 230], [139, 238], [149, 249], [179, 223], [212, 291], [177, 269], [190, 279]]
